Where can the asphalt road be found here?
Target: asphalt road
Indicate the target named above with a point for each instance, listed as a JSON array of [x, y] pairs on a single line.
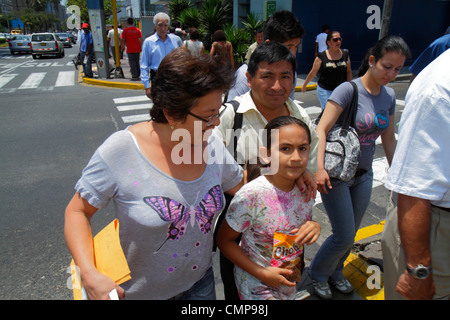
[[48, 132]]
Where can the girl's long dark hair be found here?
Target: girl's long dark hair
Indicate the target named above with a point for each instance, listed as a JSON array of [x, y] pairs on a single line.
[[387, 44]]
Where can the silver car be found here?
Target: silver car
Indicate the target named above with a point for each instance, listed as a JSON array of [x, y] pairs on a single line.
[[65, 39], [20, 43], [46, 43]]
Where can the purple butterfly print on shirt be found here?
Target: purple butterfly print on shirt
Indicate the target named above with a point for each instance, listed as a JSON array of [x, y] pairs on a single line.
[[171, 210]]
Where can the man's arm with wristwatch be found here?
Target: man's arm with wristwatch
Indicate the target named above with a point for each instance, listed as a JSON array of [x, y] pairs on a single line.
[[414, 228]]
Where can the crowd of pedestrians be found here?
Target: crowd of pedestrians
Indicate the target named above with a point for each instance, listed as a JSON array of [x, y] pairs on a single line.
[[254, 162]]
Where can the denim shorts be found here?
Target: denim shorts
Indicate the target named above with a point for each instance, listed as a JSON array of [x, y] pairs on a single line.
[[323, 95], [203, 289]]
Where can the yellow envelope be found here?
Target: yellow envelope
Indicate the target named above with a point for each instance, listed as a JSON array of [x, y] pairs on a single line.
[[108, 258]]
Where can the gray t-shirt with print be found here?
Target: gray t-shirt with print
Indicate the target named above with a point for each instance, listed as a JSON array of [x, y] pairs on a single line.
[[372, 116], [166, 225]]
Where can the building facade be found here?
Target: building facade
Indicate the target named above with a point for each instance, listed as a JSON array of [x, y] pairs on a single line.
[[419, 22]]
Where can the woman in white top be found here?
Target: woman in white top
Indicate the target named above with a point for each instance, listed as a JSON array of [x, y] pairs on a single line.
[[193, 44]]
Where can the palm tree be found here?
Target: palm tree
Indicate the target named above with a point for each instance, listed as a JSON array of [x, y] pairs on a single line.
[[176, 7], [252, 23], [190, 17], [213, 16]]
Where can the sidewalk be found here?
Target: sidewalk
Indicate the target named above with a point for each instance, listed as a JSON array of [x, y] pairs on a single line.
[[113, 82], [126, 83]]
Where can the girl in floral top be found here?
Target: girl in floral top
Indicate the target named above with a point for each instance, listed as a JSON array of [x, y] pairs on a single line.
[[271, 202]]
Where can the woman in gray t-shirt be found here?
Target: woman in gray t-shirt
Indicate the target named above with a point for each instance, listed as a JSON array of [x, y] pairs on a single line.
[[166, 178], [346, 202]]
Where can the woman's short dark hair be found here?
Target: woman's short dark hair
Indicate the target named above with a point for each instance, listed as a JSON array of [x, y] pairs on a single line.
[[194, 34], [183, 78], [270, 52], [389, 43], [219, 35]]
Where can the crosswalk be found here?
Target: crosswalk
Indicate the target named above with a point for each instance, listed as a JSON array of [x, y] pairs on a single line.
[[11, 82], [128, 106]]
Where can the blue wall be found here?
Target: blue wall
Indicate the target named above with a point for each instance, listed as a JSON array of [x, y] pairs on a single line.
[[419, 22]]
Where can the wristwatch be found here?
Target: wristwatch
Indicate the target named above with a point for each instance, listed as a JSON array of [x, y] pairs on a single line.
[[419, 272]]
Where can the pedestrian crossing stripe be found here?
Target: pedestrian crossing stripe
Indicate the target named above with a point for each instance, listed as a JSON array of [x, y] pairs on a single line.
[[136, 118], [65, 78], [5, 78], [132, 107], [34, 80], [145, 104]]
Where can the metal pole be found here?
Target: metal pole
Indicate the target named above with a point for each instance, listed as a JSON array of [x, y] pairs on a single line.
[[386, 20], [118, 73], [116, 34]]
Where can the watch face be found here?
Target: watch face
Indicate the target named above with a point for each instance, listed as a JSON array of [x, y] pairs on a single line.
[[422, 273]]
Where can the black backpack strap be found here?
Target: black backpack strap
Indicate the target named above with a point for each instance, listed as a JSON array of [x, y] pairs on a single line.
[[350, 116], [237, 124]]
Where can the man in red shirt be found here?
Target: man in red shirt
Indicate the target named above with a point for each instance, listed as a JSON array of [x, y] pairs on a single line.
[[132, 39]]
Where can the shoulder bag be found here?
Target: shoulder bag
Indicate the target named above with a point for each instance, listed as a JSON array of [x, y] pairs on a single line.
[[342, 147]]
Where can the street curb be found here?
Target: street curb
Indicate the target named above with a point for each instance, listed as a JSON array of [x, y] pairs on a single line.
[[360, 272], [309, 87], [121, 85], [140, 86], [106, 83]]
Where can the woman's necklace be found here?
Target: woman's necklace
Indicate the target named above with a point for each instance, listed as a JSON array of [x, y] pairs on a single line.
[[335, 55]]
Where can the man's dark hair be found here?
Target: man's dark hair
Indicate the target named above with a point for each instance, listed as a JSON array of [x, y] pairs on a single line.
[[325, 27], [283, 26], [270, 52]]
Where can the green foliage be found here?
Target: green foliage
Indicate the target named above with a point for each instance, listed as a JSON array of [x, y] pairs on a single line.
[[84, 15], [240, 40], [176, 7], [252, 23], [190, 17], [215, 15], [35, 21]]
